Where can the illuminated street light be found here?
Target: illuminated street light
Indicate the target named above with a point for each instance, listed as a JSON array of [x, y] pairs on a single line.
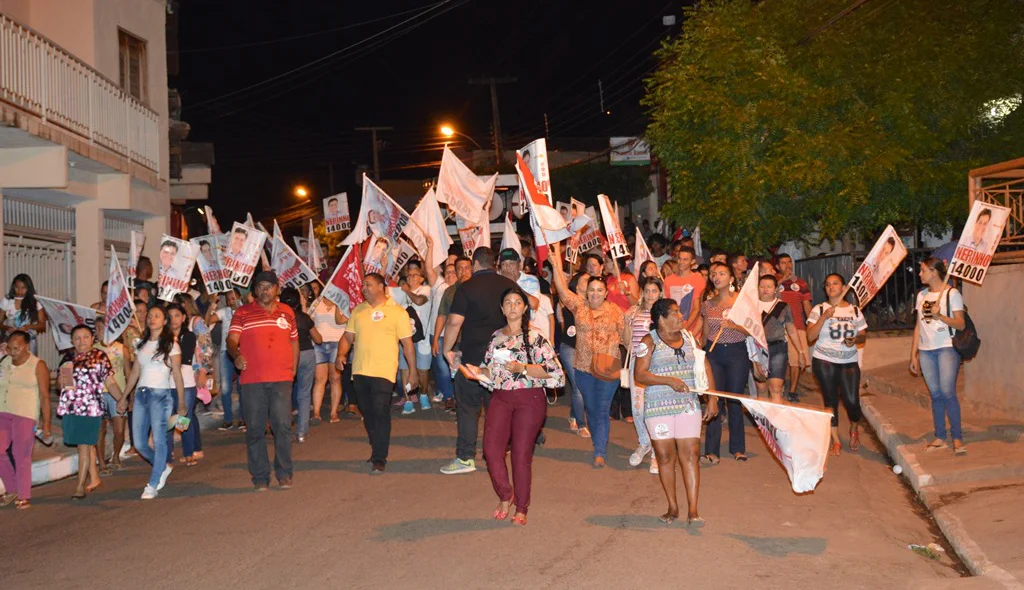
[[449, 131], [300, 191]]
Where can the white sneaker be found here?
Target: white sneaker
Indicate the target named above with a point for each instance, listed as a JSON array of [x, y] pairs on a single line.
[[654, 465], [638, 455], [163, 477], [437, 399], [459, 466], [149, 493]]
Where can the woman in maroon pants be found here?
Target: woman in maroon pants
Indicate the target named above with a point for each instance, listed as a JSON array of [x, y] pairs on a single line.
[[518, 365]]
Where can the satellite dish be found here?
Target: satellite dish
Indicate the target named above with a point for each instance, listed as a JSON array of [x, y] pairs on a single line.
[[497, 208]]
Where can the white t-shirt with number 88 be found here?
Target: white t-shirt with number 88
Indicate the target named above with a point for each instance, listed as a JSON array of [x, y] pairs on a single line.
[[845, 323]]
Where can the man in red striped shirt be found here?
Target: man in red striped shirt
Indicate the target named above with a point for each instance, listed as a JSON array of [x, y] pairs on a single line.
[[264, 341]]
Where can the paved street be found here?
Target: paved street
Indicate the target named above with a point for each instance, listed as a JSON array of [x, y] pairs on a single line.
[[415, 528]]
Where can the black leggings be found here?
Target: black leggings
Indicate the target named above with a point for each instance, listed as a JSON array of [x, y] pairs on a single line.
[[835, 379]]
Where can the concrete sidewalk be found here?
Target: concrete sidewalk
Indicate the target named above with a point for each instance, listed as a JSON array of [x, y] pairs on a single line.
[[975, 498]]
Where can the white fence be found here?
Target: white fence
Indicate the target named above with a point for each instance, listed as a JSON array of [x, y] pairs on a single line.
[[40, 77], [49, 266]]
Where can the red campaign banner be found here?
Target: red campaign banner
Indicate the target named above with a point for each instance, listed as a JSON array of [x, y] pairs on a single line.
[[345, 287]]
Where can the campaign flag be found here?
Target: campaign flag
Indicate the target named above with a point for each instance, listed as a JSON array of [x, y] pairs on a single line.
[[174, 271], [643, 254], [211, 222], [878, 266], [316, 259], [397, 259], [696, 243], [268, 246], [474, 236], [378, 254], [274, 242], [547, 223], [747, 313], [588, 237], [134, 252], [336, 216], [291, 270], [978, 243], [381, 215], [301, 247], [509, 239], [248, 220], [428, 216], [799, 437], [565, 210], [119, 305], [62, 317], [244, 248], [345, 287], [534, 156], [207, 250], [466, 194], [616, 241]]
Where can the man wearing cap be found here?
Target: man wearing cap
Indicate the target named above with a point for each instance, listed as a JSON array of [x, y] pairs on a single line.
[[264, 341], [510, 266]]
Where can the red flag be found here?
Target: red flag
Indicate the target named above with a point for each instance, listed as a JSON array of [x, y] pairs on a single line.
[[345, 287]]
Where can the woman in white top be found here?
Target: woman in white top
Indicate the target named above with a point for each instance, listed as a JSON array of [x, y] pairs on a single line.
[[161, 389], [330, 322], [838, 327], [21, 311], [415, 293], [940, 311]]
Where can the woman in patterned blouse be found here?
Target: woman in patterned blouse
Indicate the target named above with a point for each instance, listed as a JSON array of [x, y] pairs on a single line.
[[519, 364], [665, 367], [83, 373]]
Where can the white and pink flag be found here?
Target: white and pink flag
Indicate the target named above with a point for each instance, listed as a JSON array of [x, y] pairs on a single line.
[[465, 193], [119, 304]]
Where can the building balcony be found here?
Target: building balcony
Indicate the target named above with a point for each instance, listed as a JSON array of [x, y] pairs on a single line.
[[47, 92]]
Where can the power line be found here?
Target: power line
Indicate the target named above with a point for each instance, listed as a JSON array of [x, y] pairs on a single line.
[[839, 16], [303, 35]]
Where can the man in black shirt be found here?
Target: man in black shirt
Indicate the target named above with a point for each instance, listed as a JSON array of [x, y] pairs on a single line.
[[476, 314]]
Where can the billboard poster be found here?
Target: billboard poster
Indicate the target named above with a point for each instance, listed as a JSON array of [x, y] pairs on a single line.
[[978, 243]]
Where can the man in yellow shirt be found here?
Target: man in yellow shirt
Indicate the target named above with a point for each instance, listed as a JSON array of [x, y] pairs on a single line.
[[375, 331]]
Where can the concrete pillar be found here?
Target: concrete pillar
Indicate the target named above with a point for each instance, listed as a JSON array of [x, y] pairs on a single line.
[[154, 228], [3, 270], [89, 268]]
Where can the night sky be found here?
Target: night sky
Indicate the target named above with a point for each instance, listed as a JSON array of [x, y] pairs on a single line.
[[398, 66]]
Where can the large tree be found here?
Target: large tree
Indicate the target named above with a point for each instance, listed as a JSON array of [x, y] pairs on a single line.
[[771, 127]]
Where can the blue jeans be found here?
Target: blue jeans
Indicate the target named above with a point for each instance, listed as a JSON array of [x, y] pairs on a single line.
[[567, 354], [443, 377], [227, 377], [597, 400], [153, 408], [302, 389], [190, 439], [729, 367], [940, 368]]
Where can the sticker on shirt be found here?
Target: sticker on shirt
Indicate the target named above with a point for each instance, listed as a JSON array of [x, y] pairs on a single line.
[[641, 350], [794, 287], [781, 289], [282, 323], [377, 315], [571, 332], [661, 430], [725, 314]]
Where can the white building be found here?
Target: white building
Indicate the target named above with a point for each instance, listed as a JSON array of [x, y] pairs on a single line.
[[83, 138]]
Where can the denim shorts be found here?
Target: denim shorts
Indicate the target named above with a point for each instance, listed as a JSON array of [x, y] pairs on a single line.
[[111, 403], [423, 360], [778, 359], [325, 352]]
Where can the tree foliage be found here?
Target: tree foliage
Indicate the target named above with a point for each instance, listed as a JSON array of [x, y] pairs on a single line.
[[586, 180], [875, 120]]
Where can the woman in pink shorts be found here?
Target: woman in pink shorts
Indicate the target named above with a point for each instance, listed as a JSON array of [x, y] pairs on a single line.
[[672, 412]]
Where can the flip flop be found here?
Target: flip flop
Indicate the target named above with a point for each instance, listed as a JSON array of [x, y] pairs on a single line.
[[709, 460], [740, 457], [695, 523]]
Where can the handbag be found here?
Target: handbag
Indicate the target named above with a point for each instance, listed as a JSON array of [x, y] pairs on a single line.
[[605, 367], [966, 341], [700, 373]]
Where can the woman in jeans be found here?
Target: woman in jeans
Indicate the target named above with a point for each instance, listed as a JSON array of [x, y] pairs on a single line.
[[84, 371], [672, 411], [24, 396], [518, 365], [191, 443], [777, 319], [837, 327], [302, 387], [160, 389], [599, 326], [567, 354], [727, 354], [940, 311], [638, 325]]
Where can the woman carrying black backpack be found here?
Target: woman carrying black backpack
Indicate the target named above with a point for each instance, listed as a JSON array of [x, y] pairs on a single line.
[[940, 311]]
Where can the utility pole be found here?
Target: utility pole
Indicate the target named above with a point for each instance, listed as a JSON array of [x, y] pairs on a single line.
[[373, 136], [493, 83]]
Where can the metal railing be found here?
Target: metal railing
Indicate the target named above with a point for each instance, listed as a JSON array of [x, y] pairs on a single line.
[[40, 77]]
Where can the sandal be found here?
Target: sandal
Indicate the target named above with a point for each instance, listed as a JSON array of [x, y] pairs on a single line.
[[709, 460], [106, 471], [836, 449], [190, 461], [6, 499], [519, 519], [23, 504], [959, 447], [669, 517], [500, 514], [936, 445], [740, 457], [854, 440], [90, 489], [695, 523]]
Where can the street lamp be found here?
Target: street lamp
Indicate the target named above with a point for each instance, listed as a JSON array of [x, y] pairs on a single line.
[[300, 191], [449, 131]]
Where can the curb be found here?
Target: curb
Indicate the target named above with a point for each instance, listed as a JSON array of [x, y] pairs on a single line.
[[951, 526]]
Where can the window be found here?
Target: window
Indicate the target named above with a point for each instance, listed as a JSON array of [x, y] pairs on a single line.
[[133, 65]]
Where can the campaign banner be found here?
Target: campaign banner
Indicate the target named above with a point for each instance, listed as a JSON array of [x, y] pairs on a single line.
[[315, 256], [345, 287], [878, 266], [535, 156], [466, 194], [336, 216], [62, 317], [239, 258], [174, 272], [616, 241], [472, 238], [398, 258], [381, 215], [301, 247], [746, 312], [119, 305], [291, 270], [378, 255], [565, 210], [643, 254], [134, 252], [216, 279], [427, 215], [509, 238], [978, 243]]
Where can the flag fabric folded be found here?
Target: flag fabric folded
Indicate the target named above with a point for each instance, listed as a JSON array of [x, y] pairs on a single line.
[[642, 255], [616, 241], [429, 217], [465, 193], [314, 253], [62, 316], [509, 239]]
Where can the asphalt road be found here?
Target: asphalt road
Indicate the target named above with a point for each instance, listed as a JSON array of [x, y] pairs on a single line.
[[415, 528]]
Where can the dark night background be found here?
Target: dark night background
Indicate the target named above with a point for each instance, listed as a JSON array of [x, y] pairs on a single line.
[[413, 77]]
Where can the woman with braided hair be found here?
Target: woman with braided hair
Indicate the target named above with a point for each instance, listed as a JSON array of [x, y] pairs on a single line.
[[519, 364]]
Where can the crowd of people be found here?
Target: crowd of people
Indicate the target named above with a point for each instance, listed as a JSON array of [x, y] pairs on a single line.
[[491, 333]]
